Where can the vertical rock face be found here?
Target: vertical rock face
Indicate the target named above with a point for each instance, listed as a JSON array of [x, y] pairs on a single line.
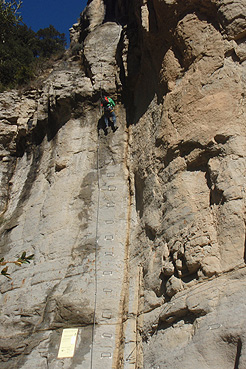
[[138, 235], [188, 159]]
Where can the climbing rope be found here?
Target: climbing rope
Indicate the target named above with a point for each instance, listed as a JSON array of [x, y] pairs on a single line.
[[101, 86]]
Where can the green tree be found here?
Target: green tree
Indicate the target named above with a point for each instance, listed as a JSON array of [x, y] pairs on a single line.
[[50, 42], [17, 56], [21, 49], [9, 18], [12, 53]]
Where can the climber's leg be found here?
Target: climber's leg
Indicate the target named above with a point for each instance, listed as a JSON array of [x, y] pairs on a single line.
[[114, 121], [105, 120]]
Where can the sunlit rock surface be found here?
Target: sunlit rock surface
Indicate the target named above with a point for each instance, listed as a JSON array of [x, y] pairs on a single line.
[[138, 235]]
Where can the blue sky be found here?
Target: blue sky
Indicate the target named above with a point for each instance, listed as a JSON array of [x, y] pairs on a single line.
[[62, 14]]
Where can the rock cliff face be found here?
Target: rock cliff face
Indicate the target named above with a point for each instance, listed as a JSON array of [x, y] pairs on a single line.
[[138, 235]]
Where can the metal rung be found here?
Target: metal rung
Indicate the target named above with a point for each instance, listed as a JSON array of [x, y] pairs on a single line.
[[214, 326], [87, 235], [107, 335], [109, 221], [106, 354], [108, 162], [109, 253], [109, 237], [106, 290], [106, 272], [110, 205], [112, 188], [107, 314], [108, 188]]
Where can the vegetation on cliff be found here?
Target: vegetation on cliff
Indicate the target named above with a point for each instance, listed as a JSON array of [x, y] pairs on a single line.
[[22, 51], [23, 259]]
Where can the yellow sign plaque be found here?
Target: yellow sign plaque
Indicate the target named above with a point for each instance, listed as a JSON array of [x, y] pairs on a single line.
[[68, 342]]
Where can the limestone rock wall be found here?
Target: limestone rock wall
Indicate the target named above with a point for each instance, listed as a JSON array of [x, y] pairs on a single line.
[[188, 160], [156, 209]]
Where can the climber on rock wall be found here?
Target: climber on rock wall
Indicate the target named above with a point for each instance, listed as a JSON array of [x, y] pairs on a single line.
[[108, 105]]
